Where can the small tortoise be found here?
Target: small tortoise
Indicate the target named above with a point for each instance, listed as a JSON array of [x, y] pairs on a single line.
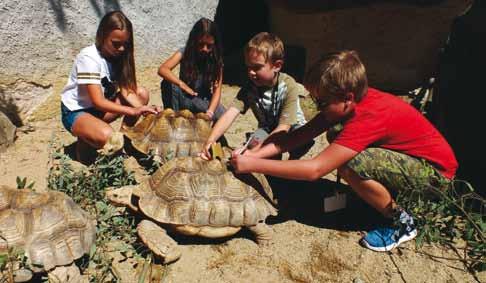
[[49, 227], [170, 134], [197, 197]]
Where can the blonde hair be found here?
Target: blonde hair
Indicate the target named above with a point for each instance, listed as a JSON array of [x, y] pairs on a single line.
[[267, 44], [337, 74]]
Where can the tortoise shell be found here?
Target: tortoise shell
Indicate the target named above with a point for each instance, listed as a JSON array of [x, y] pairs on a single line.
[[170, 134], [49, 227], [192, 191]]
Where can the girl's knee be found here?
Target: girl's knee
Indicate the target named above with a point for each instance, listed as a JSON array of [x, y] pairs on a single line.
[[103, 136], [143, 94]]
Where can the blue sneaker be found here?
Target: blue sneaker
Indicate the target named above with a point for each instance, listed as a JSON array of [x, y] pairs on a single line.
[[386, 239]]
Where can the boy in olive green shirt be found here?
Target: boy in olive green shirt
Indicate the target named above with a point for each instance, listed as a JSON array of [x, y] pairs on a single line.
[[272, 96]]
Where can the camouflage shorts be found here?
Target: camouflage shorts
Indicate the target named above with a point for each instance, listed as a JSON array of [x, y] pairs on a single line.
[[396, 170]]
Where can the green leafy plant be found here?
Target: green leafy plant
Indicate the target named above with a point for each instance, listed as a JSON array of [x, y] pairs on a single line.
[[151, 162], [22, 183], [87, 188], [11, 260], [453, 216]]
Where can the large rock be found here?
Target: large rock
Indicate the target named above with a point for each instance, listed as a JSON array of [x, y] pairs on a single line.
[[7, 131]]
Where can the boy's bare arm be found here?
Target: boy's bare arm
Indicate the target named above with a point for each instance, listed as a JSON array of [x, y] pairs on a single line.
[[328, 160], [279, 143], [281, 128], [219, 129]]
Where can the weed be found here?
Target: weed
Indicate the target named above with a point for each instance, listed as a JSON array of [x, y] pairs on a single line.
[[151, 162], [11, 260], [22, 183], [444, 216], [87, 188], [225, 256]]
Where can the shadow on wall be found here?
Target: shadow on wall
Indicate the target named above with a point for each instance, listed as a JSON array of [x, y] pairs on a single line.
[[239, 21], [457, 107], [313, 6], [100, 7], [9, 108]]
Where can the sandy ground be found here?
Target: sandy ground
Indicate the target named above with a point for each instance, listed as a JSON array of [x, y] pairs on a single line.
[[308, 245]]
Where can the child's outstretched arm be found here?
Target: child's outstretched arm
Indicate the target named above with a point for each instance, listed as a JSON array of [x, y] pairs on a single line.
[[216, 97], [105, 105], [328, 160], [165, 71], [219, 129], [277, 144]]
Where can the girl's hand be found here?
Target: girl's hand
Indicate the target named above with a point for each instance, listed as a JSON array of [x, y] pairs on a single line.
[[187, 89], [210, 114], [144, 110]]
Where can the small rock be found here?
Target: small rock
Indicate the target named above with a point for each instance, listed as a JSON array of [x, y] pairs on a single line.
[[7, 131]]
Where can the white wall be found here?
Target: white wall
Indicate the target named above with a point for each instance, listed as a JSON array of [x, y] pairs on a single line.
[[40, 38]]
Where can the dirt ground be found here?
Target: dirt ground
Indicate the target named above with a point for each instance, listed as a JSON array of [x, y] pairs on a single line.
[[308, 245]]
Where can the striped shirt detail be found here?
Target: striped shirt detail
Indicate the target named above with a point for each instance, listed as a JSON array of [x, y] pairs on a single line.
[[88, 76]]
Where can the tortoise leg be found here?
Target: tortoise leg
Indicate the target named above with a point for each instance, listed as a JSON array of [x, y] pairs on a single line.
[[263, 233], [114, 144], [20, 275], [158, 241], [66, 274]]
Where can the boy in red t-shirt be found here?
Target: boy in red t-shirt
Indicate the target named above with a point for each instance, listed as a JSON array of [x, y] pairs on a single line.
[[385, 145]]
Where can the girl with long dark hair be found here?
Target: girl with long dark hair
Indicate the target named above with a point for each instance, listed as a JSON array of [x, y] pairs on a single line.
[[198, 87]]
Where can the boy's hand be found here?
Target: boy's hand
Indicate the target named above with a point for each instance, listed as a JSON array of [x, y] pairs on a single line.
[[240, 150], [205, 154], [240, 163]]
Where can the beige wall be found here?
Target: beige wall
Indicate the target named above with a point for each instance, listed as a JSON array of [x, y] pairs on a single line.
[[398, 42]]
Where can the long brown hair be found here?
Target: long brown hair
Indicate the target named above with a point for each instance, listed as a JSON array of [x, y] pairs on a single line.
[[211, 70], [124, 66]]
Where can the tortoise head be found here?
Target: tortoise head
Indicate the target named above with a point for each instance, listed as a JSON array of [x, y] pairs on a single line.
[[123, 196]]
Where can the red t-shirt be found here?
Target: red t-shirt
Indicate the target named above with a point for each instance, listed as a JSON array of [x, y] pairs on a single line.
[[385, 121]]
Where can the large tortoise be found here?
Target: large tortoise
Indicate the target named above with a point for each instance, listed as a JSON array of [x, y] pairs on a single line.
[[196, 197], [170, 134], [49, 227]]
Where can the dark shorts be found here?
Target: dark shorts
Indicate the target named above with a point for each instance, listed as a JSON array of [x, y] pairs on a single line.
[[396, 171], [68, 117]]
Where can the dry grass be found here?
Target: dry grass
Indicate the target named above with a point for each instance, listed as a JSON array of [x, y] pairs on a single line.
[[226, 255]]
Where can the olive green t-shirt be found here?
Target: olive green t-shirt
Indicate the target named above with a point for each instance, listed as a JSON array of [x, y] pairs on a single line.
[[275, 105]]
